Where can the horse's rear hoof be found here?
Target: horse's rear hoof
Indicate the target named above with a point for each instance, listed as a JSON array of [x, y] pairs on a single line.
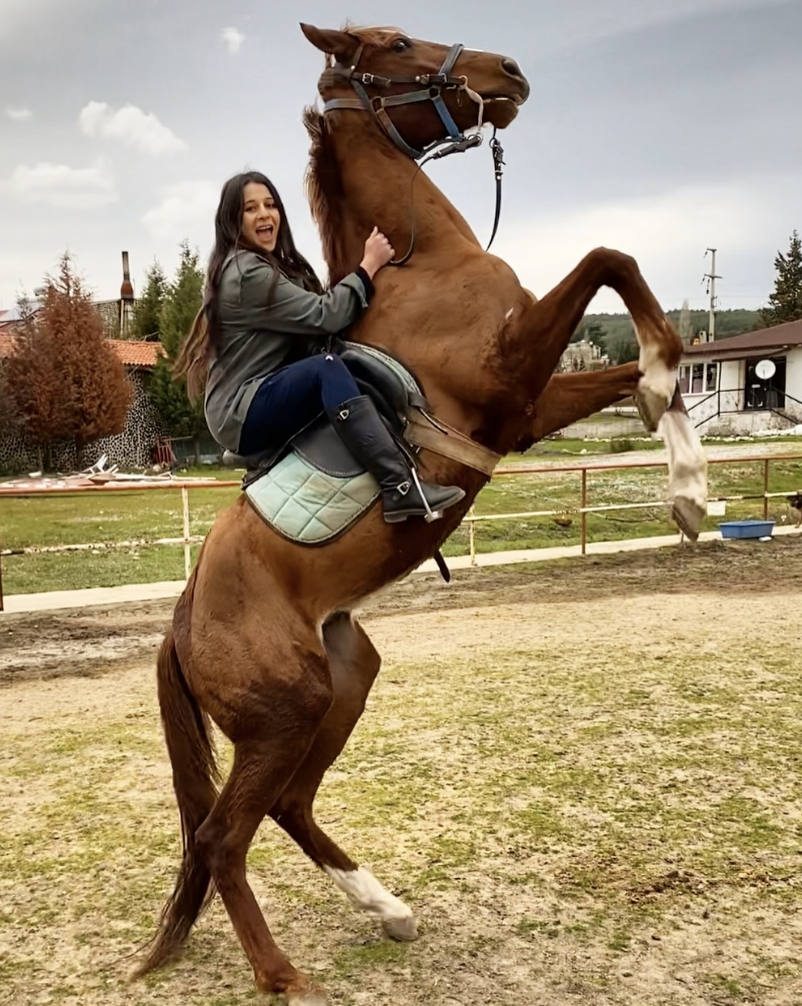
[[688, 516], [403, 929]]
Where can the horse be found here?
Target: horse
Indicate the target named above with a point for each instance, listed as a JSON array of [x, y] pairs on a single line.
[[263, 641]]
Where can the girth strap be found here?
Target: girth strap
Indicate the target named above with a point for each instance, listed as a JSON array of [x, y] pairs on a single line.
[[423, 430]]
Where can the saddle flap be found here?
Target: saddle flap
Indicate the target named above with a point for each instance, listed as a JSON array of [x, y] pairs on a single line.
[[320, 445], [375, 375]]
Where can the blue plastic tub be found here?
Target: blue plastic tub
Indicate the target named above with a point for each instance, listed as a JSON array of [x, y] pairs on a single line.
[[746, 528]]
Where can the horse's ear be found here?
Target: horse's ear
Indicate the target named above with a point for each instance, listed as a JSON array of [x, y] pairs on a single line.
[[339, 44]]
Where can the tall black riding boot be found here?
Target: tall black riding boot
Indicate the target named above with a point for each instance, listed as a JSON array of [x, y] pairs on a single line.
[[362, 431]]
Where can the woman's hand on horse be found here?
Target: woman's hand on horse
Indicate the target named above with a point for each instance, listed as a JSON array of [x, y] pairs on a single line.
[[378, 252]]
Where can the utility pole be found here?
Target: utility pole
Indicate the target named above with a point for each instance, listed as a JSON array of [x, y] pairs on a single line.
[[711, 278]]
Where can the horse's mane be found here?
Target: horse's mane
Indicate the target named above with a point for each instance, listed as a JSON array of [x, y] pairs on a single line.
[[325, 193]]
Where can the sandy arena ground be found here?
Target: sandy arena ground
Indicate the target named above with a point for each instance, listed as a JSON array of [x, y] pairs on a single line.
[[582, 775]]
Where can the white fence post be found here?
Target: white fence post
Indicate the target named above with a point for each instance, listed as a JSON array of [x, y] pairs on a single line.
[[187, 547]]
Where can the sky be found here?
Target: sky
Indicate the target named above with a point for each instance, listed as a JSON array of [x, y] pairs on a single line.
[[658, 127]]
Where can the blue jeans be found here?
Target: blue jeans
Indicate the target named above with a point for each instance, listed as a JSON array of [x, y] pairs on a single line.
[[292, 397]]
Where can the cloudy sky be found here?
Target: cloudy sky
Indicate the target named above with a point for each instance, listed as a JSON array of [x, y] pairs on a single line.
[[660, 127]]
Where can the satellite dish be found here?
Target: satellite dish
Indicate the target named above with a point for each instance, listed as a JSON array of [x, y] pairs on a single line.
[[765, 369]]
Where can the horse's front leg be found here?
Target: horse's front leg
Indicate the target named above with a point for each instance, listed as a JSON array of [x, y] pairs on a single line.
[[567, 398], [549, 326]]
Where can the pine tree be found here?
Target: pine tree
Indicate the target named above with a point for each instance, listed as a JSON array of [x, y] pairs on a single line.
[[32, 385], [181, 303], [624, 349], [147, 309], [94, 387], [785, 304], [64, 378], [685, 324]]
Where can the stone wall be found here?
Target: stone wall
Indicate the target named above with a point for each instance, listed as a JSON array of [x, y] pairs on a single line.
[[130, 450]]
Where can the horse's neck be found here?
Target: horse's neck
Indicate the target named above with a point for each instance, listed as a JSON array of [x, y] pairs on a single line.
[[382, 187]]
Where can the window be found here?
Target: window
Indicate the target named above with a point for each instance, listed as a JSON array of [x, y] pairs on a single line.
[[684, 380], [711, 377], [697, 378]]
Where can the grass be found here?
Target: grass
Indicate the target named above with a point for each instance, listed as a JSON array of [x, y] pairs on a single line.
[[86, 518], [547, 809]]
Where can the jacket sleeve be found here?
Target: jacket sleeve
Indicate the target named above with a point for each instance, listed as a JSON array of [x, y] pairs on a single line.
[[293, 311]]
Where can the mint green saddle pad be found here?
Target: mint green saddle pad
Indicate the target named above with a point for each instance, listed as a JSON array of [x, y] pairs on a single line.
[[309, 506]]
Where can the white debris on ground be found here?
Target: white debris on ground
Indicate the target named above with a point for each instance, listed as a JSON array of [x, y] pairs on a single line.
[[98, 474]]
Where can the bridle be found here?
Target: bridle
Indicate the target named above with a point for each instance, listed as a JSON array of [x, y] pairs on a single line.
[[433, 86]]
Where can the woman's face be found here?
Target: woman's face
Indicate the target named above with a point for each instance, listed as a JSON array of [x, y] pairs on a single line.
[[260, 218]]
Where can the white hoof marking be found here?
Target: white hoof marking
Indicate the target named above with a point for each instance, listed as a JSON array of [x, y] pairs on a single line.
[[367, 894], [656, 386]]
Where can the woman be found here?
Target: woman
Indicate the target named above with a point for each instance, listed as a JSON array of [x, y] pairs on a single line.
[[259, 341]]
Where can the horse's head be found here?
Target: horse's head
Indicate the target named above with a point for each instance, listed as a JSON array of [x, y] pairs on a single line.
[[404, 80]]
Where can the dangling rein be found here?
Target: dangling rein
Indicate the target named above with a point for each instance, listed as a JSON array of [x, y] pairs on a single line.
[[432, 90]]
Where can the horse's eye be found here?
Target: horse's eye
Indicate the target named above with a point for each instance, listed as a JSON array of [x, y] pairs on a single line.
[[402, 45]]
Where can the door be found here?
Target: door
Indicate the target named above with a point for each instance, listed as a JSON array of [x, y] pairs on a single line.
[[765, 394]]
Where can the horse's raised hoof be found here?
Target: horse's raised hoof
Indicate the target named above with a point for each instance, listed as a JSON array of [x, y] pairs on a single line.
[[403, 929], [688, 516], [651, 406]]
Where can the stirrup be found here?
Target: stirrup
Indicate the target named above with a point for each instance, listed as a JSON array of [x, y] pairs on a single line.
[[403, 489], [430, 514]]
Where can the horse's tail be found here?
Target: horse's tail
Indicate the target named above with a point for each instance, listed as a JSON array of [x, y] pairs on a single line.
[[195, 774]]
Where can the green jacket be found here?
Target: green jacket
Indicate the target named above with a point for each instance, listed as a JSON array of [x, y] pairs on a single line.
[[258, 338]]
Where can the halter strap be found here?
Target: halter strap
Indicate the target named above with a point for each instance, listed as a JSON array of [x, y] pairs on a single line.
[[433, 85], [432, 90]]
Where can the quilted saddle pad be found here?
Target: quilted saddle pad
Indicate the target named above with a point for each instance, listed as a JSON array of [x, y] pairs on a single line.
[[311, 506], [307, 505]]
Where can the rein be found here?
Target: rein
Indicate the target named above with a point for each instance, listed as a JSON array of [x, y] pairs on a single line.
[[432, 90]]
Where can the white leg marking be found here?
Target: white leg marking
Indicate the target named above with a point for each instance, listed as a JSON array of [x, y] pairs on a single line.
[[367, 894], [687, 463], [657, 379]]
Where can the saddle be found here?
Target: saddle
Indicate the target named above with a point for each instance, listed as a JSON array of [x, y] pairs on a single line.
[[394, 392], [311, 489]]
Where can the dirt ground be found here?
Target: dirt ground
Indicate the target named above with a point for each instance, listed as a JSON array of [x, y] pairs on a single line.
[[90, 641], [621, 827]]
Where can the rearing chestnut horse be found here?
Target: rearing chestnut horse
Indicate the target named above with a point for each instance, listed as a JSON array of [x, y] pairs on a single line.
[[263, 641]]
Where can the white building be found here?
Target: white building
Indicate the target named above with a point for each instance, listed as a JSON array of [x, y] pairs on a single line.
[[582, 355], [729, 389]]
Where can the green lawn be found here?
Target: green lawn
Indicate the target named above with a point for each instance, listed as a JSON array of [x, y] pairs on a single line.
[[128, 516]]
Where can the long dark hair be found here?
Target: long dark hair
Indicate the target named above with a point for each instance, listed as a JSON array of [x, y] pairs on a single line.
[[201, 345]]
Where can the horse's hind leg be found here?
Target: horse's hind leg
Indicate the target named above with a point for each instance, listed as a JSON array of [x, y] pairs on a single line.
[[271, 720], [353, 664], [569, 397]]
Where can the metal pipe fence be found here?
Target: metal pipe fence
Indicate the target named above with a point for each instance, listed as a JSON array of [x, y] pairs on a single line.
[[471, 519]]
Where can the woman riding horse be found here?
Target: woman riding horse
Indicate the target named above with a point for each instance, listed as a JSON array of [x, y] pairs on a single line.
[[258, 345]]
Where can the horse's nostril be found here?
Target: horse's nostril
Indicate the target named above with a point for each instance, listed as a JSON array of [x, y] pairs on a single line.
[[511, 67]]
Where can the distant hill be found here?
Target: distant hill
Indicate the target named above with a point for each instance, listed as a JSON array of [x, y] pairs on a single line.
[[615, 334], [728, 323]]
